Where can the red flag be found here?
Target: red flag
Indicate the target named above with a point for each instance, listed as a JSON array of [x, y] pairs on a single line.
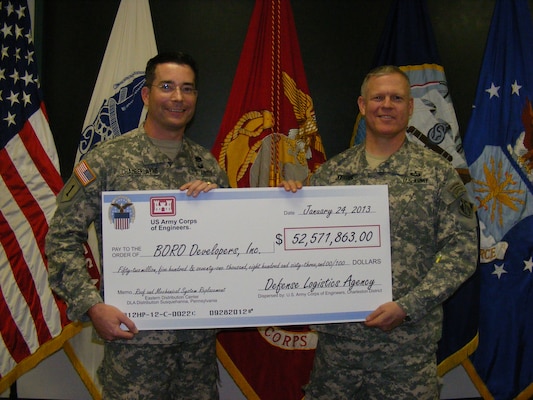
[[32, 317], [269, 130], [268, 363], [269, 133]]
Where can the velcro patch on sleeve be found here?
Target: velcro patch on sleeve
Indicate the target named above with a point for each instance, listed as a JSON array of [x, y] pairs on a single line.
[[466, 208], [84, 173], [69, 190], [456, 189], [456, 193]]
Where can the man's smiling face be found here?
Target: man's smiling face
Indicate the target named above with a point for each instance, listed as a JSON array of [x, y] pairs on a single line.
[[386, 105], [169, 112]]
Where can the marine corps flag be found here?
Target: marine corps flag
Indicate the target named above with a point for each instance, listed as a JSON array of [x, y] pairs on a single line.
[[269, 130], [499, 151], [269, 133], [408, 42]]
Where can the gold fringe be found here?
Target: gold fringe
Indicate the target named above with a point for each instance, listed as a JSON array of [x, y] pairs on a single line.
[[82, 372], [458, 357], [44, 351]]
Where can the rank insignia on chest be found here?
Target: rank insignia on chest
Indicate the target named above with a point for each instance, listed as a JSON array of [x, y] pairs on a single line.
[[345, 177], [199, 162]]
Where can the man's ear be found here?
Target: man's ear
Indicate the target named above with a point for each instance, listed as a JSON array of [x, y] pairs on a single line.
[[145, 92], [361, 104]]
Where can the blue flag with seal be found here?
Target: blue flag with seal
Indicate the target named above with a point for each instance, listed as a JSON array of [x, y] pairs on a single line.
[[408, 41], [499, 151]]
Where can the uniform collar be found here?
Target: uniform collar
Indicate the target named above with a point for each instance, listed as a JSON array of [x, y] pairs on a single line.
[[152, 155]]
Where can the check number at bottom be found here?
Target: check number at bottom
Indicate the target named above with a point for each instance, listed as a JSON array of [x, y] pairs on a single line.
[[188, 313], [334, 237], [161, 314]]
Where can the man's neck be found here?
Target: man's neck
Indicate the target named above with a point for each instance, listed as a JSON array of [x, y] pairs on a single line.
[[160, 133], [383, 147]]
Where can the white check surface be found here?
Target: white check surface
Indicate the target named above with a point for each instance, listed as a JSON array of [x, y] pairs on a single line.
[[247, 257]]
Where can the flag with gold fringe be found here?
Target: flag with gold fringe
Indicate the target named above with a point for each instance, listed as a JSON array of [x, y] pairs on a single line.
[[269, 130], [408, 41], [269, 133], [499, 152], [116, 107], [34, 323]]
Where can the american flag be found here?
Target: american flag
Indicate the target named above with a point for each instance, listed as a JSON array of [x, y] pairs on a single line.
[[30, 180]]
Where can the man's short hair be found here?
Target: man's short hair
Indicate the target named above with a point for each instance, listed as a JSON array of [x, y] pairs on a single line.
[[179, 58], [384, 70]]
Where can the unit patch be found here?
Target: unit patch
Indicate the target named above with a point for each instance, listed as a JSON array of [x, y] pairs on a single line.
[[69, 191], [466, 208]]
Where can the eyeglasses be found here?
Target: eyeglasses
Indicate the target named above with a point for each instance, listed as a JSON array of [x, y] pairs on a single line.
[[185, 90]]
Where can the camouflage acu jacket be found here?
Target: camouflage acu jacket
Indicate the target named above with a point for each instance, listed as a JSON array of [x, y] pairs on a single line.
[[433, 230], [129, 162]]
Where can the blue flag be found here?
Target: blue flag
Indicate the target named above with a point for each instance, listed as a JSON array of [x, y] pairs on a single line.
[[408, 41], [499, 151]]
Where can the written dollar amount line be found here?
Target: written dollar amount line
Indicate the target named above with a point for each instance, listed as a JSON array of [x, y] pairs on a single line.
[[313, 238]]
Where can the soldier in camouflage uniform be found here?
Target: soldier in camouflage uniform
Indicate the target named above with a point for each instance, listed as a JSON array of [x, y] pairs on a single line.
[[163, 364], [392, 355]]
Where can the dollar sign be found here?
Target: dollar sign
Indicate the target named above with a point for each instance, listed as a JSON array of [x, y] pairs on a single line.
[[279, 239]]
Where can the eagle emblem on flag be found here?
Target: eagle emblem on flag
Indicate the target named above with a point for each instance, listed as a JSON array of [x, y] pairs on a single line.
[[289, 153]]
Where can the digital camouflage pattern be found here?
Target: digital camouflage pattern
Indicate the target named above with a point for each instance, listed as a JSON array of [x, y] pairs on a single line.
[[433, 251], [128, 162], [150, 370]]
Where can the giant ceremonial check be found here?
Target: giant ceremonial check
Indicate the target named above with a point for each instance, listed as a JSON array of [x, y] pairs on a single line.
[[247, 257]]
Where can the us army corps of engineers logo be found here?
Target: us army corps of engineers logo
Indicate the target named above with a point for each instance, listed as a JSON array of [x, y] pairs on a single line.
[[162, 206], [121, 212]]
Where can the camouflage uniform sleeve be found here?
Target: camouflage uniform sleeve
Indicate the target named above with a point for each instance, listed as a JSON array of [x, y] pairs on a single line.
[[456, 236], [77, 207]]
